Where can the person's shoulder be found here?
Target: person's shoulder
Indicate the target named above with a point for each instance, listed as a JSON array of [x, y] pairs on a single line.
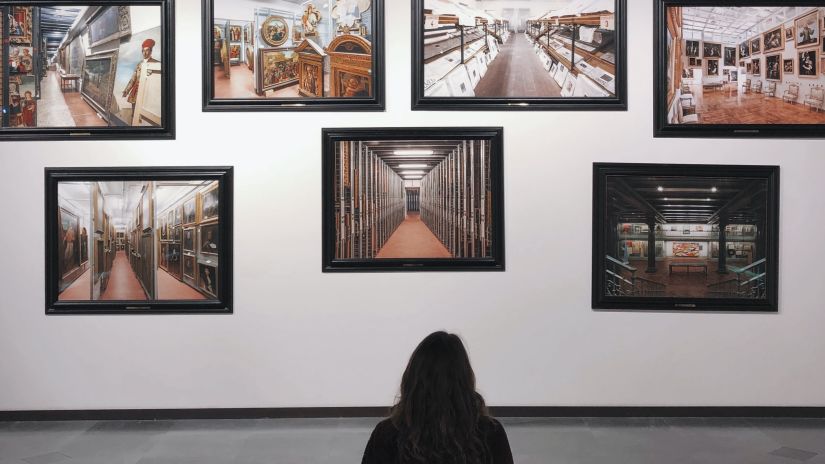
[[385, 428], [491, 426]]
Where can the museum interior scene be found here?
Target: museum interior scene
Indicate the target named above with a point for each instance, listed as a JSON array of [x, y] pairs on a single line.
[[688, 237], [291, 49], [82, 66], [138, 240], [535, 48], [745, 65], [409, 199]]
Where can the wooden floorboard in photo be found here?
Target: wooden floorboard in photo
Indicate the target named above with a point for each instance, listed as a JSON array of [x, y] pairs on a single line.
[[732, 107], [517, 73], [413, 239]]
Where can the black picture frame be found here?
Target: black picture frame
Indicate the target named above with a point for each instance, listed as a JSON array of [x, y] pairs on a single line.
[[167, 129], [662, 110], [493, 135], [424, 103], [224, 302], [768, 175], [377, 102]]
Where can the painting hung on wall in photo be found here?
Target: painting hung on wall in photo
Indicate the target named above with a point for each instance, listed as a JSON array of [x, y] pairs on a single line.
[[102, 72], [412, 199], [119, 241], [293, 55], [775, 97], [524, 50], [689, 237]]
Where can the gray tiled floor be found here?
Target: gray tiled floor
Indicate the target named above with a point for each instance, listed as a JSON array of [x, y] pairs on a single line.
[[339, 441]]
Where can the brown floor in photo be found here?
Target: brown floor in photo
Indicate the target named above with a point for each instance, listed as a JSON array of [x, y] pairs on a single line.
[[52, 110], [123, 283], [82, 113], [413, 239], [79, 290], [731, 107], [170, 288], [241, 84], [681, 283], [517, 73]]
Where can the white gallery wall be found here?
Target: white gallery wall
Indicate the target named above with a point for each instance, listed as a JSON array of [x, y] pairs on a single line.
[[300, 338]]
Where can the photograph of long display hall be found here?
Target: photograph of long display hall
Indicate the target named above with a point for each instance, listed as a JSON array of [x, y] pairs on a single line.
[[687, 237], [413, 199], [745, 65], [287, 49], [138, 240], [533, 49], [82, 66]]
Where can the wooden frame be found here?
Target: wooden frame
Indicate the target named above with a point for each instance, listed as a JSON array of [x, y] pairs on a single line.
[[777, 60], [664, 124], [223, 176], [119, 15], [275, 42], [802, 55], [491, 190], [769, 36], [762, 181], [166, 130], [816, 34], [618, 102], [349, 57], [375, 102], [310, 69], [291, 65], [102, 107]]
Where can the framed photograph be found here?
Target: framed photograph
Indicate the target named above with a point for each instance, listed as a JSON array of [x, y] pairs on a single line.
[[808, 61], [773, 40], [692, 48], [713, 67], [730, 56], [773, 67], [756, 67], [808, 30], [210, 204], [305, 56], [210, 239], [788, 67], [418, 224], [449, 34], [235, 33], [208, 279], [189, 209], [113, 66], [790, 33], [744, 50], [705, 106], [685, 274], [154, 251], [712, 50]]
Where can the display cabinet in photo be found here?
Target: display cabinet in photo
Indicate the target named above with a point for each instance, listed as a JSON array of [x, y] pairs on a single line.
[[91, 70], [413, 199], [138, 240], [537, 55], [272, 55], [685, 237], [761, 41]]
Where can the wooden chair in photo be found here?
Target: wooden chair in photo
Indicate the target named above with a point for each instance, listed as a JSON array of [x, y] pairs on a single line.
[[747, 86], [757, 87], [791, 95], [687, 114], [686, 95], [770, 91], [816, 99]]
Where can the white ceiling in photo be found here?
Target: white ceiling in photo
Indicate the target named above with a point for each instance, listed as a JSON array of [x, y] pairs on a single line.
[[736, 22]]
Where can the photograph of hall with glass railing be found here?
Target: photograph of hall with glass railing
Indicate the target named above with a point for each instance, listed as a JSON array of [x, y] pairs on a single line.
[[686, 237]]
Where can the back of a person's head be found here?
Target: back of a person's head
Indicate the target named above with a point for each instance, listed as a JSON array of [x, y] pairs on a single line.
[[438, 412]]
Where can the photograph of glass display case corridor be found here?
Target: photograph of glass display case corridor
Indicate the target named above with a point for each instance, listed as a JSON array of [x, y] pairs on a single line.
[[525, 49], [82, 66], [138, 240], [686, 237], [413, 199]]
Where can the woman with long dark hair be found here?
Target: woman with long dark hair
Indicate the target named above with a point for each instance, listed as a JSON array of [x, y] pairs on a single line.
[[439, 417]]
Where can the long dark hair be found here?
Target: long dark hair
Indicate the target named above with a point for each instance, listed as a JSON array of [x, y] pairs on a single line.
[[438, 412]]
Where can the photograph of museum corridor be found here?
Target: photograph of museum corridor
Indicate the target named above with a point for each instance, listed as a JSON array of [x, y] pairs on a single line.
[[405, 199], [137, 240], [688, 237]]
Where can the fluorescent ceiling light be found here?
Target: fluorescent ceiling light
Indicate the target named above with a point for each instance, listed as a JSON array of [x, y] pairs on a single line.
[[412, 177], [414, 152], [412, 173], [413, 166]]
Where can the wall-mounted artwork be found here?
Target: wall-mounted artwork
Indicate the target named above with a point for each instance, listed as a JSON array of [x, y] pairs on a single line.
[[154, 257], [683, 273], [411, 180], [808, 30], [692, 48], [712, 50], [449, 36], [296, 52], [109, 74], [730, 56], [761, 104]]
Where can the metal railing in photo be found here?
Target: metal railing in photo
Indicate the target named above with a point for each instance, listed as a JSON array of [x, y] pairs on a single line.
[[369, 201], [456, 200], [621, 280], [747, 282]]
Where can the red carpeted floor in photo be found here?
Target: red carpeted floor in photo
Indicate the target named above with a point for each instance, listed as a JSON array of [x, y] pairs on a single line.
[[123, 283], [79, 290], [413, 239], [170, 288]]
